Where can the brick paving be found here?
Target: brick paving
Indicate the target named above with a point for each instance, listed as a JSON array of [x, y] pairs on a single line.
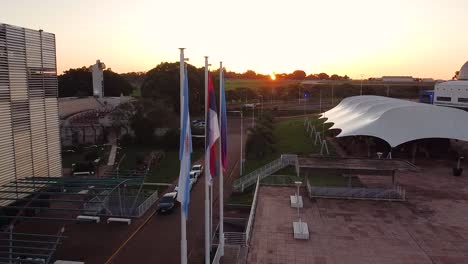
[[431, 227]]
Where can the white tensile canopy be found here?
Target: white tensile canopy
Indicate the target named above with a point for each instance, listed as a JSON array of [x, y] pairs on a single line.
[[396, 121]]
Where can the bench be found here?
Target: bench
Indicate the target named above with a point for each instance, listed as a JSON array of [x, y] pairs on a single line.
[[121, 220], [89, 218]]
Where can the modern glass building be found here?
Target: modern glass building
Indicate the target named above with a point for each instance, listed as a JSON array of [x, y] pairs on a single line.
[[29, 124]]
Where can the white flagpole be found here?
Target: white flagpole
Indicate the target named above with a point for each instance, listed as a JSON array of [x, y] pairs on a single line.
[[183, 220], [221, 180], [211, 210], [207, 194]]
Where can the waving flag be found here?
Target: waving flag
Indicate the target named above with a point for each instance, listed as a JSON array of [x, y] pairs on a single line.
[[212, 130], [223, 125], [183, 195]]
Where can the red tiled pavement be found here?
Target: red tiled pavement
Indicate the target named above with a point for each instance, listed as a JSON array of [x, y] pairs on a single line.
[[431, 227]]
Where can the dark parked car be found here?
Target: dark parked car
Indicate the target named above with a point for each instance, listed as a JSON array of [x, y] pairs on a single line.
[[167, 203]]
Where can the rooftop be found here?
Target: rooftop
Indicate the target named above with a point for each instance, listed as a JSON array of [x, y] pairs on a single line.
[[430, 227]]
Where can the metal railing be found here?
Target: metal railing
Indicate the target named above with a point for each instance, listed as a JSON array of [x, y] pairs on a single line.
[[217, 256], [272, 167], [392, 194], [235, 238], [142, 208], [92, 207], [251, 221]]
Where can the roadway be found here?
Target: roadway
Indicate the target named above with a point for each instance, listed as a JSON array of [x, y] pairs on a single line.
[[158, 238]]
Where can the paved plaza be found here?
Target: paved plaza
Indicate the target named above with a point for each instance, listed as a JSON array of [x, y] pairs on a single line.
[[430, 227]]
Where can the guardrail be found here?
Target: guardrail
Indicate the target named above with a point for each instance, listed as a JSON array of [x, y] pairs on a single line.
[[93, 208], [142, 208], [251, 221], [217, 256], [235, 238], [392, 194], [268, 169]]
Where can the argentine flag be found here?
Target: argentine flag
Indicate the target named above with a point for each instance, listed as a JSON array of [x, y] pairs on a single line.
[[183, 195]]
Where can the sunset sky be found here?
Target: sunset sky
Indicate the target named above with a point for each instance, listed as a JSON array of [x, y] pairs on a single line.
[[421, 38]]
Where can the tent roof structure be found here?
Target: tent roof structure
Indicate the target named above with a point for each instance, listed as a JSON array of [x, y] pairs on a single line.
[[396, 121]]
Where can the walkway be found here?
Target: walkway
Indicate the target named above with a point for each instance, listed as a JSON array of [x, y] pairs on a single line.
[[113, 153]]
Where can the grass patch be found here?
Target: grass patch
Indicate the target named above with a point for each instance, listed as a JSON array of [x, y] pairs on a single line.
[[79, 154], [332, 178], [281, 179], [131, 153], [167, 170], [254, 84], [245, 198], [290, 138]]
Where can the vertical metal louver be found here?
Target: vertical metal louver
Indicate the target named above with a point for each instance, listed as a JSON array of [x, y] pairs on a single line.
[[29, 124]]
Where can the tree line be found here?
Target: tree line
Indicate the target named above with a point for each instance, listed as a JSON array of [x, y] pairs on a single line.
[[78, 81]]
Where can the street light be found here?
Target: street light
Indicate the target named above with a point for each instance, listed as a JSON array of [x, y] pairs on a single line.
[[262, 105], [362, 75], [241, 142], [253, 115]]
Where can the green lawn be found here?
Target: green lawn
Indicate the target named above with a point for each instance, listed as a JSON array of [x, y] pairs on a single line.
[[245, 198], [281, 179], [167, 170], [232, 84], [332, 178], [290, 138], [68, 158], [130, 156]]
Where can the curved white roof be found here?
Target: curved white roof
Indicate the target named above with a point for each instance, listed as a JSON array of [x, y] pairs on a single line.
[[396, 121], [463, 74]]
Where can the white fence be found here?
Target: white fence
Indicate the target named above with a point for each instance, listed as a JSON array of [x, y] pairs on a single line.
[[396, 193], [251, 221], [270, 168], [142, 208], [217, 256]]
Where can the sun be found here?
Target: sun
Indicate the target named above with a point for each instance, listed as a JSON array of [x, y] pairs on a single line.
[[273, 76]]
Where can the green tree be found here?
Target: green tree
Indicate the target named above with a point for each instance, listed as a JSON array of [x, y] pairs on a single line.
[[163, 83], [75, 82], [323, 76], [261, 139], [298, 75], [115, 85], [79, 82]]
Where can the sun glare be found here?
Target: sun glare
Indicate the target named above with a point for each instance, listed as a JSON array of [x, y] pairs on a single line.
[[272, 76]]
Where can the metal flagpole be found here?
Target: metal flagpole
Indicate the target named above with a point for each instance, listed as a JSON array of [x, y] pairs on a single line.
[[211, 210], [183, 220], [242, 143], [221, 180], [207, 194]]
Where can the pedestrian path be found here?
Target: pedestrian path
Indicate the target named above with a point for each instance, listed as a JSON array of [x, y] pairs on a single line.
[[113, 153]]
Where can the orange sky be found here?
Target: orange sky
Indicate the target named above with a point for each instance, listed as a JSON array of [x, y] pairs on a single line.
[[370, 37]]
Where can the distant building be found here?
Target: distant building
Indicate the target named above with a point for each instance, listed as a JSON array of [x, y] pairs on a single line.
[[29, 123], [97, 71], [397, 79], [453, 93]]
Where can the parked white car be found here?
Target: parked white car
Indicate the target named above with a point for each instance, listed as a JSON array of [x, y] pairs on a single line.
[[194, 176], [197, 168]]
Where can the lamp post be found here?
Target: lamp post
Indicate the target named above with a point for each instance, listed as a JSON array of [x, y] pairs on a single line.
[[261, 105], [362, 75], [241, 167], [253, 115], [298, 184]]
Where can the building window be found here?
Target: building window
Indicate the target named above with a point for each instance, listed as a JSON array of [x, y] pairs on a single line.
[[462, 100], [443, 98]]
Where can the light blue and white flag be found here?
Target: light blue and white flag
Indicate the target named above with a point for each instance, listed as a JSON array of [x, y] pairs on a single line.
[[183, 195]]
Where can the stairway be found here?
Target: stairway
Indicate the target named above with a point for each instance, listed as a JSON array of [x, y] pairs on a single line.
[[272, 167]]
